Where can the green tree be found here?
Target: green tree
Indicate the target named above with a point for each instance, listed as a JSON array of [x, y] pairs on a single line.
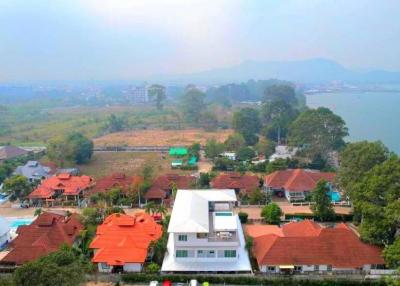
[[17, 187], [147, 173], [391, 254], [271, 213], [194, 150], [281, 92], [114, 124], [213, 148], [276, 165], [150, 208], [320, 130], [193, 105], [246, 121], [245, 154], [63, 267], [277, 115], [257, 197], [356, 160], [322, 207], [157, 93], [204, 180], [82, 147], [234, 142], [378, 200], [209, 121], [265, 147]]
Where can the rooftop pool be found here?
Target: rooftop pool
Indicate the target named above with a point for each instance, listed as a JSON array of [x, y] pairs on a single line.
[[335, 196], [223, 214]]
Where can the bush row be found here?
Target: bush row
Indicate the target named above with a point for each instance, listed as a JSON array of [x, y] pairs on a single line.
[[246, 280]]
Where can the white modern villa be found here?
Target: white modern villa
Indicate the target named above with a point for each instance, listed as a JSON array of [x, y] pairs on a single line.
[[205, 235]]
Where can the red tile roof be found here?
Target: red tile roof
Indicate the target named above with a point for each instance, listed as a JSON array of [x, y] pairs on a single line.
[[162, 184], [115, 180], [246, 183], [70, 185], [45, 235], [124, 239], [307, 243], [297, 180]]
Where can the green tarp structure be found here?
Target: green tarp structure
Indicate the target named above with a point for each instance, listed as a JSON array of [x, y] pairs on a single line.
[[178, 151], [192, 161]]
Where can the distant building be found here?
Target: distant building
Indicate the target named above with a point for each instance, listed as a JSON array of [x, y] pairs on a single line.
[[161, 189], [304, 247], [122, 242], [242, 184], [45, 235], [33, 171], [140, 94], [229, 155], [11, 152], [295, 184], [283, 152], [205, 235]]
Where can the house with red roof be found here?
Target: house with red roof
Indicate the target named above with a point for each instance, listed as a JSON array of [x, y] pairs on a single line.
[[116, 180], [60, 188], [295, 184], [161, 188], [306, 246], [242, 184], [122, 242], [43, 236]]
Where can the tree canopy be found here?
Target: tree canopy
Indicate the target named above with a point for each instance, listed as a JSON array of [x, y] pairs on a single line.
[[157, 93], [319, 130], [322, 207], [272, 213], [18, 187], [281, 92], [193, 105], [246, 121]]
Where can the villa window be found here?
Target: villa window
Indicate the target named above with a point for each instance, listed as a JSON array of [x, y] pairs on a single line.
[[182, 237], [316, 267], [271, 268], [298, 268], [230, 253], [182, 253], [105, 266], [201, 235]]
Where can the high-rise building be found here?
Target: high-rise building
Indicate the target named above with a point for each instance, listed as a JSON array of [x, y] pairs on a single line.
[[140, 94]]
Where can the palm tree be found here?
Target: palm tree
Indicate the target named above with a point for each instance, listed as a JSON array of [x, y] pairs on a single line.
[[161, 209], [150, 208]]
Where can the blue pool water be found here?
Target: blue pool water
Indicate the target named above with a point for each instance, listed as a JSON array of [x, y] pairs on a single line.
[[335, 196], [223, 214], [14, 223]]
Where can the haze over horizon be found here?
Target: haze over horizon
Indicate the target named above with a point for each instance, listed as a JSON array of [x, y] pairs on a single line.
[[122, 39]]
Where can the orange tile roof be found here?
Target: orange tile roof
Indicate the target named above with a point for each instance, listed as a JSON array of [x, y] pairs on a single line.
[[70, 185], [164, 183], [246, 183], [124, 239], [106, 183], [297, 180], [307, 243], [44, 235]]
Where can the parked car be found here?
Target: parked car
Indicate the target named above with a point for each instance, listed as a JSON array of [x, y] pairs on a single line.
[[194, 282], [167, 283], [153, 283]]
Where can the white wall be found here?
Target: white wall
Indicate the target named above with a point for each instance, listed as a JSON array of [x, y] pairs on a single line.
[[102, 267], [133, 267]]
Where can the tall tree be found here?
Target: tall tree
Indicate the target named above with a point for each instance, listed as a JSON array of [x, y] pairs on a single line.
[[82, 147], [17, 187], [378, 200], [322, 207], [234, 142], [213, 148], [157, 92], [280, 92], [320, 130], [114, 124], [246, 121], [356, 160], [193, 105]]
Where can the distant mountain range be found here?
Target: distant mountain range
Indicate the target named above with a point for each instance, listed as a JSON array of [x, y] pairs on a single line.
[[305, 71]]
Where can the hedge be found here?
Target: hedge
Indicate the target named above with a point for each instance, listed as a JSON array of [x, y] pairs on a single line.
[[246, 280]]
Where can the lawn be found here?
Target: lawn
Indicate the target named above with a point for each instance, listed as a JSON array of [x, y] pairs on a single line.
[[106, 163]]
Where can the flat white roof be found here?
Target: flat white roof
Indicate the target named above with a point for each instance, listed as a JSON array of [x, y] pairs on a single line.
[[224, 222], [190, 213]]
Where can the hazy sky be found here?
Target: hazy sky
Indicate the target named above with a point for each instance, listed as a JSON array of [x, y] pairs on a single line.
[[127, 39]]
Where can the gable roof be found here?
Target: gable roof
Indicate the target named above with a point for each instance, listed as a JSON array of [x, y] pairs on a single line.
[[297, 180], [70, 185], [164, 183], [33, 169], [190, 213], [247, 183], [9, 152], [124, 239], [106, 183], [45, 235], [307, 243]]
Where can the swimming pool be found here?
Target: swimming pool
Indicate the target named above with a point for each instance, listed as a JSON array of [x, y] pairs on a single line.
[[335, 196], [16, 222], [223, 214]]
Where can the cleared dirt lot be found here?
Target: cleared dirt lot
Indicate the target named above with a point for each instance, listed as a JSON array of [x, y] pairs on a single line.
[[161, 137]]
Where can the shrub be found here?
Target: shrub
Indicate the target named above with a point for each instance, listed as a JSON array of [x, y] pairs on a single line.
[[153, 268], [243, 217]]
